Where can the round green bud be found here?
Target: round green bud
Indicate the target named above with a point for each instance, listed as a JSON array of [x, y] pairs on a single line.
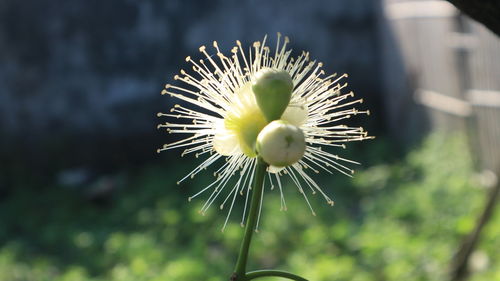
[[273, 90], [281, 144]]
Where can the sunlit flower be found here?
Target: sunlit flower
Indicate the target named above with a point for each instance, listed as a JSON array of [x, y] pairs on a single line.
[[219, 117]]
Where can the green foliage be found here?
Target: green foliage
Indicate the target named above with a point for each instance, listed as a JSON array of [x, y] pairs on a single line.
[[393, 221]]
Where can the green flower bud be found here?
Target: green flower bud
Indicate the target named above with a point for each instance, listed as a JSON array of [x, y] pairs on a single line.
[[281, 144], [272, 89]]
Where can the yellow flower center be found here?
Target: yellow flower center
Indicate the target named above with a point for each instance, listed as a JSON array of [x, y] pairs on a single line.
[[257, 103], [247, 126]]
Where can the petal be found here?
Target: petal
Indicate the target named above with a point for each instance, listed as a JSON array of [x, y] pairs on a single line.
[[225, 142], [295, 114]]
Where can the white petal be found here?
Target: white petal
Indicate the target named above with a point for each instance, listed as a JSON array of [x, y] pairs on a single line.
[[225, 142], [295, 114], [273, 169]]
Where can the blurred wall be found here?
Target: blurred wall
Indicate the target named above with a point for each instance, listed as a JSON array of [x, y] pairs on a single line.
[[80, 80]]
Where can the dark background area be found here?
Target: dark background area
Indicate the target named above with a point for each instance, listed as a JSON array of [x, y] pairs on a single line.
[[82, 78]]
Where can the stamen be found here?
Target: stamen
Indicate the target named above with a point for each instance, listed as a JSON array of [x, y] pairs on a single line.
[[211, 94]]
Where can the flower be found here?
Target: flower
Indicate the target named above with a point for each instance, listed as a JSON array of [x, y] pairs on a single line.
[[223, 112]]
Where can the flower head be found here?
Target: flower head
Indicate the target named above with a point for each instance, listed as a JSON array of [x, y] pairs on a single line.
[[228, 111]]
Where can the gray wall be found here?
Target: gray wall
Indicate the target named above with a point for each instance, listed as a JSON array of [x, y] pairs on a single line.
[[75, 73]]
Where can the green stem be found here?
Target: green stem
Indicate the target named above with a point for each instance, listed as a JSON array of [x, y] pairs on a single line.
[[253, 214], [277, 273], [260, 172]]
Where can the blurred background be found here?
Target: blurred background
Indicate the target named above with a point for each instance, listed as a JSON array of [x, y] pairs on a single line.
[[84, 196]]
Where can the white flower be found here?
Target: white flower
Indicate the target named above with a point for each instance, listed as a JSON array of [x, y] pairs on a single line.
[[221, 119]]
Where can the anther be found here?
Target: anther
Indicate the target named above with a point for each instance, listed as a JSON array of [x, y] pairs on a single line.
[[202, 48]]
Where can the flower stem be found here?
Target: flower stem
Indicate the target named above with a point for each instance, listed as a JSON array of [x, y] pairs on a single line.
[[240, 269], [241, 263]]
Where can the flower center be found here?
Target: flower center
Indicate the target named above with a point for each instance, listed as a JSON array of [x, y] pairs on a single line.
[[245, 120], [257, 103], [247, 127]]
